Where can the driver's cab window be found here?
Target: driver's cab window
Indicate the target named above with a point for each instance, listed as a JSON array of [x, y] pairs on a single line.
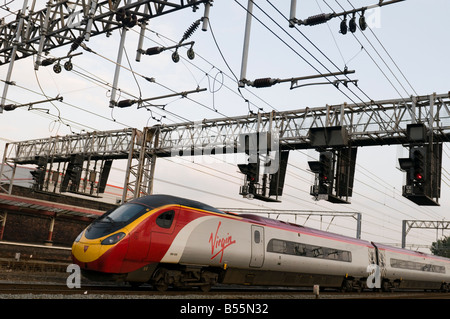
[[165, 220]]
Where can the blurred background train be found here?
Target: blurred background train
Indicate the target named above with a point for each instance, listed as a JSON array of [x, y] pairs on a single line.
[[168, 241]]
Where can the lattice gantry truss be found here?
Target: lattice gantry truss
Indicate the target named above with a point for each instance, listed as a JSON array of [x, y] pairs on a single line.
[[371, 123], [64, 22]]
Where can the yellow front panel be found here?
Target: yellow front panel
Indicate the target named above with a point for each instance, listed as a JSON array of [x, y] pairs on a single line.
[[88, 252]]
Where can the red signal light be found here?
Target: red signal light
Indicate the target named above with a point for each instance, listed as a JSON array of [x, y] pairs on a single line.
[[419, 176]]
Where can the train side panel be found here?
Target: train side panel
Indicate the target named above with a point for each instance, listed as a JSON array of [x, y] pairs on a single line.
[[212, 241], [414, 270], [312, 254], [254, 253], [166, 240]]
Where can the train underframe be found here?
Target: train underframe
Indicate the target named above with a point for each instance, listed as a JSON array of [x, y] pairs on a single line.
[[162, 276]]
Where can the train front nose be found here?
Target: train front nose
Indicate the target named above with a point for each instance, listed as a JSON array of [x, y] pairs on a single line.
[[103, 245], [101, 254]]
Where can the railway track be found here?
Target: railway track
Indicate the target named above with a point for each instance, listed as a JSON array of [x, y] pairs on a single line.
[[46, 290]]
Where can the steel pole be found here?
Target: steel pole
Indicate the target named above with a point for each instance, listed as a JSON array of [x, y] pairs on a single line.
[[248, 26]]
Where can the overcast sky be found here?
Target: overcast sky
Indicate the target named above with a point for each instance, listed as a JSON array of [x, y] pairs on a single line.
[[405, 52]]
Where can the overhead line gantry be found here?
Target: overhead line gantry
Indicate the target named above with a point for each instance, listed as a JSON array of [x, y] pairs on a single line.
[[65, 22], [338, 129]]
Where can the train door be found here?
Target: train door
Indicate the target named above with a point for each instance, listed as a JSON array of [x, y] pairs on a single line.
[[382, 262], [139, 242], [162, 233], [257, 255], [380, 257]]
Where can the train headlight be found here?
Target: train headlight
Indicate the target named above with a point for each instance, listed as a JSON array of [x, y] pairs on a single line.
[[113, 239]]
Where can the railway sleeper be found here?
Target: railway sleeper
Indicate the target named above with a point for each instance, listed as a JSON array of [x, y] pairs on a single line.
[[184, 277]]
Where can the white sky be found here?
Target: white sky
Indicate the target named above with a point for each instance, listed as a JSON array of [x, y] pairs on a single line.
[[414, 32]]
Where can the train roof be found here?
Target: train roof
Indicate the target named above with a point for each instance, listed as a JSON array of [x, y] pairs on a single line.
[[303, 229], [409, 252], [154, 201]]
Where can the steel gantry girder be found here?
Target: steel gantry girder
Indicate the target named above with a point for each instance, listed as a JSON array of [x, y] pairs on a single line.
[[128, 144], [371, 123], [407, 225], [63, 22], [108, 144]]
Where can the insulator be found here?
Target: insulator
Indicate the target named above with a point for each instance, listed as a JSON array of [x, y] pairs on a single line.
[[362, 23], [126, 103], [9, 107], [149, 79], [191, 30], [343, 26], [154, 50], [318, 19], [264, 82], [48, 62], [76, 43], [352, 25]]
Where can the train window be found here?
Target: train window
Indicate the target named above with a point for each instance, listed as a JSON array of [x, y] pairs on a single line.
[[126, 213], [257, 237], [114, 220], [412, 265], [305, 250], [276, 246], [165, 219]]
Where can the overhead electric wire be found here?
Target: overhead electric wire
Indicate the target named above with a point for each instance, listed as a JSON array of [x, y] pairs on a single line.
[[365, 172], [390, 57], [320, 51], [373, 33], [368, 106], [370, 56], [379, 55], [291, 48], [233, 77], [279, 37], [184, 186], [303, 35]]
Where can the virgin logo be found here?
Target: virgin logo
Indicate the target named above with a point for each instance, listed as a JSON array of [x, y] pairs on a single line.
[[220, 243]]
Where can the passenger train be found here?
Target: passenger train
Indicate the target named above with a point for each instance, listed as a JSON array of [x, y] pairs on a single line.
[[169, 241]]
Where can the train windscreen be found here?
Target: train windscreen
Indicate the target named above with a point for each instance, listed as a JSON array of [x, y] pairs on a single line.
[[114, 220]]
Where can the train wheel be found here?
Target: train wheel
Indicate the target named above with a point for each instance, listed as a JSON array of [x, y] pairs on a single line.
[[159, 280]]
